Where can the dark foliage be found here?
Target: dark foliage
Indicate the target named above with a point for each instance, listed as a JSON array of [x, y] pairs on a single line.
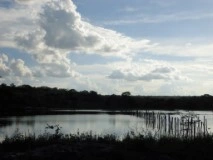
[[88, 146], [28, 99]]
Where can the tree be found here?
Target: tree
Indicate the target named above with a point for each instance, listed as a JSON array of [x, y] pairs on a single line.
[[127, 93], [93, 93], [3, 85], [72, 91], [12, 85]]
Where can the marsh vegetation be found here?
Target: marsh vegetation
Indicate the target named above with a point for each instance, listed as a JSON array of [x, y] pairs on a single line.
[[48, 123], [91, 146]]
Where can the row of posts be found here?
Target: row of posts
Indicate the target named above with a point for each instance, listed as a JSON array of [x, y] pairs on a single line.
[[174, 125]]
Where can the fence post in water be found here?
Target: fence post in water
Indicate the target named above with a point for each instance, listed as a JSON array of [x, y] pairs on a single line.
[[182, 127], [169, 124], [204, 126], [149, 118], [188, 127], [175, 126], [172, 125], [153, 121], [201, 127], [198, 127], [178, 126], [159, 122], [191, 126], [194, 129], [165, 123]]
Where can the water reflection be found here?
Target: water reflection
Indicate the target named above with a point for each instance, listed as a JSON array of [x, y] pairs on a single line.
[[112, 121], [175, 123], [27, 120], [5, 122]]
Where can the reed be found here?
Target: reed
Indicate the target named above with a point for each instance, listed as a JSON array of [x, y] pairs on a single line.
[[188, 125]]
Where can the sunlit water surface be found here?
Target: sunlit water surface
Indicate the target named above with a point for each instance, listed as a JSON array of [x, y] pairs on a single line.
[[101, 122]]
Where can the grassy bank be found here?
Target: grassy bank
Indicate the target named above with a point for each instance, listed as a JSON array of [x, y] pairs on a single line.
[[89, 146]]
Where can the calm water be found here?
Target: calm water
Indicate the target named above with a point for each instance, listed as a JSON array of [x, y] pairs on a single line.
[[118, 123]]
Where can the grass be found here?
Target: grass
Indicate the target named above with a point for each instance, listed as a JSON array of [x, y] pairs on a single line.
[[21, 141], [199, 147]]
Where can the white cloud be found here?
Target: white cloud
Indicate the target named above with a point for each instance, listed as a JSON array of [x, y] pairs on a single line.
[[9, 80], [51, 30], [161, 18], [19, 68], [146, 71], [60, 31], [192, 50], [60, 70], [30, 2], [14, 67], [4, 69], [14, 71], [61, 27], [128, 9]]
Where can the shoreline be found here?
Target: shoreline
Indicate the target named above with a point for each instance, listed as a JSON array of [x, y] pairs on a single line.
[[65, 111], [86, 146]]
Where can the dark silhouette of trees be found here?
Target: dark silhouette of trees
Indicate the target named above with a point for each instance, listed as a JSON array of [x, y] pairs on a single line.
[[127, 93], [25, 99]]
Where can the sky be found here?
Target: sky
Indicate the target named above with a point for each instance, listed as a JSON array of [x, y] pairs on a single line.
[[146, 47]]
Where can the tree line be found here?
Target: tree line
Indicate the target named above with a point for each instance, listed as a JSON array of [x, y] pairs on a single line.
[[27, 98]]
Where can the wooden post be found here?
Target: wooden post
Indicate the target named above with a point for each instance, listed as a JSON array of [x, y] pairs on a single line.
[[194, 129], [204, 126], [175, 125], [191, 126]]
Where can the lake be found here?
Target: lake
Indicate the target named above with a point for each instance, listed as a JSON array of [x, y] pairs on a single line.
[[119, 123]]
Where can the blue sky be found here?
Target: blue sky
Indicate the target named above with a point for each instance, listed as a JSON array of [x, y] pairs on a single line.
[[147, 47], [163, 17]]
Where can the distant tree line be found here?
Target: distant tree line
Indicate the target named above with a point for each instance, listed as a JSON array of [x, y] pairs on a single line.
[[26, 98]]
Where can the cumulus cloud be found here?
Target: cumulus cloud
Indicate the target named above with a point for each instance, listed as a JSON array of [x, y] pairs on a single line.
[[4, 69], [65, 29], [57, 30], [51, 30], [19, 68], [53, 62], [146, 72], [61, 31], [9, 80], [59, 70], [23, 1], [14, 67], [30, 1]]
